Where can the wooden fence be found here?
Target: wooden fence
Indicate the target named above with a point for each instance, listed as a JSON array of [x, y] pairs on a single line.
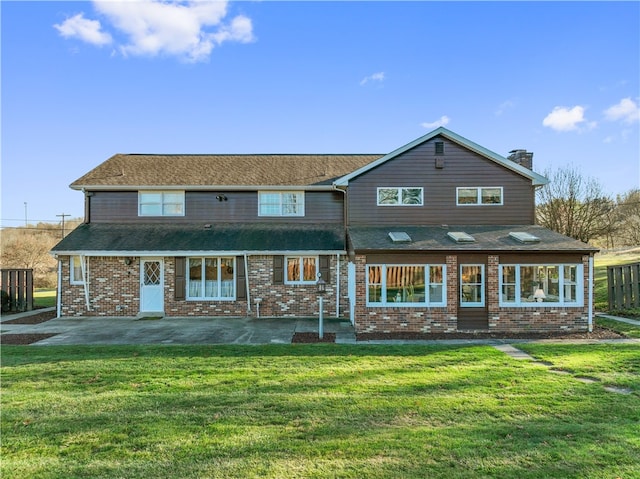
[[624, 286], [18, 286]]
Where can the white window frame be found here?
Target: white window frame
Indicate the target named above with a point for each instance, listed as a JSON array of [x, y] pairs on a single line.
[[280, 204], [399, 190], [479, 195], [562, 283], [300, 279], [162, 203], [386, 302], [72, 270], [202, 280]]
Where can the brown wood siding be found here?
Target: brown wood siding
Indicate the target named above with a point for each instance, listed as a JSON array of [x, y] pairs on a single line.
[[324, 207], [462, 167]]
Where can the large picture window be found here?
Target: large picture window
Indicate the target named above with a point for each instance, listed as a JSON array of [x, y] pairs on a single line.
[[468, 196], [301, 269], [549, 284], [400, 196], [406, 285], [161, 203], [211, 278], [281, 203]]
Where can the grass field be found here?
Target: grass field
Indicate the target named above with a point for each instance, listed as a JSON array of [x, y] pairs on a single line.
[[317, 411], [44, 298]]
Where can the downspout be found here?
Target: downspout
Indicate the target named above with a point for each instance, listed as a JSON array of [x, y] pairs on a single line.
[[84, 280], [246, 280], [590, 293], [338, 285], [59, 301]]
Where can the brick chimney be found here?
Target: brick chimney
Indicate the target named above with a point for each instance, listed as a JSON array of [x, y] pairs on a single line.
[[522, 157]]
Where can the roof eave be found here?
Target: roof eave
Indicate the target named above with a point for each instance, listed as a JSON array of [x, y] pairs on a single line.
[[327, 187]]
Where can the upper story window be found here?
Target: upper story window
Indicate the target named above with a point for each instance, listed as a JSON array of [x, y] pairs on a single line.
[[161, 203], [400, 196], [281, 203], [439, 145], [479, 195]]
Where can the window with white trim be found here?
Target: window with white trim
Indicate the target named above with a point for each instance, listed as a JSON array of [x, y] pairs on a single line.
[[161, 203], [75, 270], [211, 278], [406, 285], [541, 284], [400, 196], [301, 269], [479, 195], [281, 203]]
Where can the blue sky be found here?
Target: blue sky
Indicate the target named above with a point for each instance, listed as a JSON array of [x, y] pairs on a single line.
[[82, 81]]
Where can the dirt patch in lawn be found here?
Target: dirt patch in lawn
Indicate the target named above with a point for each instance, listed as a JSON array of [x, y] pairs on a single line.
[[36, 318], [24, 339], [313, 338]]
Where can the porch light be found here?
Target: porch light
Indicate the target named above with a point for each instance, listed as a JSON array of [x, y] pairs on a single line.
[[539, 295], [322, 286]]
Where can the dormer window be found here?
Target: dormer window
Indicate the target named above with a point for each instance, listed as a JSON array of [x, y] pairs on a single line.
[[281, 203]]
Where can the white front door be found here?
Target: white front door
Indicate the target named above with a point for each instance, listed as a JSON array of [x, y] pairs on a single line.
[[151, 285]]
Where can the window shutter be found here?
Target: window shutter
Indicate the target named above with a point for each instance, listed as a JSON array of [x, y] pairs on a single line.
[[278, 270], [325, 267], [180, 286], [241, 279]]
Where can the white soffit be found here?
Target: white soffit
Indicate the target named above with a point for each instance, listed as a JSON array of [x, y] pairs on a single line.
[[523, 237], [399, 237], [461, 237]]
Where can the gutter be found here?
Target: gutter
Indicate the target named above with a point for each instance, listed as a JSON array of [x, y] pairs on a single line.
[[246, 280], [590, 313], [59, 299]]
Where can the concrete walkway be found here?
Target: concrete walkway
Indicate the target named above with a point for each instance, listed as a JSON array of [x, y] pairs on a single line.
[[190, 330], [635, 322]]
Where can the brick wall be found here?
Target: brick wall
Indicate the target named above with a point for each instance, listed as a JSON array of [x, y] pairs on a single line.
[[114, 290], [437, 320]]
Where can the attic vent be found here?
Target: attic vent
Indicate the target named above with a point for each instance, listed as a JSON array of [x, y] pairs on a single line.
[[523, 237], [399, 237], [461, 237]]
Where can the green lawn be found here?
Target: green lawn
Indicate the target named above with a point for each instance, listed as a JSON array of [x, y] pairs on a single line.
[[44, 298], [318, 411]]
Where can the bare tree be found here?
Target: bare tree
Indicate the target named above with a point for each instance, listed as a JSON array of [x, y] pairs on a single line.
[[575, 206], [628, 218]]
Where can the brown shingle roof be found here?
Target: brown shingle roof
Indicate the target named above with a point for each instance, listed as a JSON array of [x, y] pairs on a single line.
[[133, 170]]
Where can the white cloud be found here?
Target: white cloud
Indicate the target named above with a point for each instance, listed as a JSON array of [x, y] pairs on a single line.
[[379, 77], [566, 119], [626, 110], [188, 30], [442, 121], [84, 29], [504, 106]]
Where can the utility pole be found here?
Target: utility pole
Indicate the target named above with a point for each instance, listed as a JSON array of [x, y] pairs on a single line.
[[63, 217], [25, 214]]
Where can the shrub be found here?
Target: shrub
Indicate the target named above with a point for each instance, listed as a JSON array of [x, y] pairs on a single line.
[[5, 301]]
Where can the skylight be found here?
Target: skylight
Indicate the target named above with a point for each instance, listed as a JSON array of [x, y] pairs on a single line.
[[461, 237], [523, 237], [399, 237]]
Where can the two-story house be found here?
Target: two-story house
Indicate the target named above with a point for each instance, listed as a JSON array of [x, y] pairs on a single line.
[[436, 236]]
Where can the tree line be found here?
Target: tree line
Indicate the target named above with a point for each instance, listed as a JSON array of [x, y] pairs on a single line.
[[578, 207], [28, 247]]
